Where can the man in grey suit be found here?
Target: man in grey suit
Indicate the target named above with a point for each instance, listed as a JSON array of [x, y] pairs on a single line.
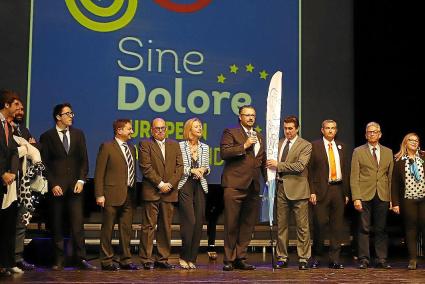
[[115, 186], [370, 180], [293, 192]]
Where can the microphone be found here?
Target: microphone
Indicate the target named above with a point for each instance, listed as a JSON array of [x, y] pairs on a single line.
[[254, 135]]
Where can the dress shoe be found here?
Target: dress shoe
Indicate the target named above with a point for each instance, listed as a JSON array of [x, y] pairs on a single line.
[[281, 264], [412, 265], [242, 265], [183, 263], [228, 266], [335, 265], [4, 272], [363, 264], [110, 267], [57, 267], [163, 265], [148, 265], [25, 265], [85, 265], [129, 266], [315, 264], [302, 265], [15, 270], [383, 265]]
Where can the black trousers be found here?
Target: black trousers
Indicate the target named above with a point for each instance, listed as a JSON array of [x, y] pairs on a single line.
[[20, 234], [240, 216], [329, 210], [192, 214], [379, 210], [413, 212], [7, 235], [71, 204]]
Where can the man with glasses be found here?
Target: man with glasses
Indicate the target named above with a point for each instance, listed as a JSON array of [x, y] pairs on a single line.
[[161, 164], [64, 153], [370, 180], [242, 150]]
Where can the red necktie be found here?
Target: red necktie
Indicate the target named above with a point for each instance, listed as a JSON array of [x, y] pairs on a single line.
[[6, 131]]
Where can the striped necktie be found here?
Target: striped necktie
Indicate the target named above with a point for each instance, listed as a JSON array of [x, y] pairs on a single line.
[[130, 165]]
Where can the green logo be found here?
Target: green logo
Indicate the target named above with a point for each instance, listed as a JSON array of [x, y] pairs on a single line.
[[104, 12]]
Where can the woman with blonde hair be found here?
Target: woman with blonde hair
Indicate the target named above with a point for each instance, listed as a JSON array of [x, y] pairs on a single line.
[[192, 189], [408, 191]]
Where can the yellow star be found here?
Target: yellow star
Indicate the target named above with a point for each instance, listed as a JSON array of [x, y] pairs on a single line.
[[234, 68], [263, 74], [249, 68], [221, 78], [258, 129]]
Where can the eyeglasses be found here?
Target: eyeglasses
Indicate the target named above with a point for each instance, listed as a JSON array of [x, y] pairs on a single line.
[[413, 141], [69, 114], [373, 132], [248, 115], [158, 129]]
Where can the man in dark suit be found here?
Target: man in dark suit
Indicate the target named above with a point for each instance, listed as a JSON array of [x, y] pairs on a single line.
[[293, 193], [162, 166], [9, 161], [115, 185], [370, 180], [64, 153], [328, 177], [20, 130], [242, 150]]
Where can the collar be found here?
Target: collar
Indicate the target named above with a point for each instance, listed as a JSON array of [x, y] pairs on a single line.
[[60, 130], [327, 141], [160, 142], [119, 141], [371, 147], [246, 129], [292, 141]]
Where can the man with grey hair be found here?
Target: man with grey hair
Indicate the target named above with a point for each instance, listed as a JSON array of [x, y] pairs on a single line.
[[370, 180]]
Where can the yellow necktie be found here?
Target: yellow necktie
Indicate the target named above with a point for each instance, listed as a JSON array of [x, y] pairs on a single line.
[[332, 162]]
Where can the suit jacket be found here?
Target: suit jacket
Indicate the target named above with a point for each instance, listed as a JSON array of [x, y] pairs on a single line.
[[318, 169], [64, 169], [398, 184], [9, 160], [111, 173], [367, 178], [241, 167], [294, 171], [203, 161], [155, 169]]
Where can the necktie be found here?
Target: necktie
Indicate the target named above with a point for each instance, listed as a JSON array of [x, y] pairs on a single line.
[[130, 166], [332, 163], [162, 146], [6, 131], [18, 130], [65, 141], [285, 151], [374, 155]]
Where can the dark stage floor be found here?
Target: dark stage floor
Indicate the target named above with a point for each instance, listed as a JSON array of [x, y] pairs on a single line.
[[211, 272]]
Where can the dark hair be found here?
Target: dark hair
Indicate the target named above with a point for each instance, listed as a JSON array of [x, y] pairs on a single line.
[[8, 97], [293, 119], [57, 110], [244, 107], [119, 123]]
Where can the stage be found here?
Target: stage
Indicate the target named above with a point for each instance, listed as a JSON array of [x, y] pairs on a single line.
[[211, 272]]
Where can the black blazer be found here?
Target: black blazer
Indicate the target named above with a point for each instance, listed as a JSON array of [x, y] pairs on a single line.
[[64, 169], [318, 173], [398, 184], [9, 160]]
